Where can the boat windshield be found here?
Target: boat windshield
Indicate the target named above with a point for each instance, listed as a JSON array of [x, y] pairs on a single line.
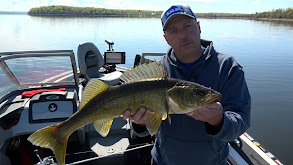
[[36, 69]]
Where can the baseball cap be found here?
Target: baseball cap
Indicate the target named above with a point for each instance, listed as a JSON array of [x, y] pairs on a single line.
[[173, 10]]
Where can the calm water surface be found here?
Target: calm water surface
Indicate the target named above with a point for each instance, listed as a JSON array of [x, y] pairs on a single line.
[[263, 48]]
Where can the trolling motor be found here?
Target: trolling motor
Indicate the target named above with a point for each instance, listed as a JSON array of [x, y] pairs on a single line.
[[112, 58]]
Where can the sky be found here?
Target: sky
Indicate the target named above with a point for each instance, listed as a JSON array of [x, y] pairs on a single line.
[[198, 6]]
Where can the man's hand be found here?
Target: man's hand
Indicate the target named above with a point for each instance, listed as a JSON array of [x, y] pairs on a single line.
[[212, 114], [139, 117]]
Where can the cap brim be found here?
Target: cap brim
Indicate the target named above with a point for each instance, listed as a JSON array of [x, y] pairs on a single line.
[[174, 15]]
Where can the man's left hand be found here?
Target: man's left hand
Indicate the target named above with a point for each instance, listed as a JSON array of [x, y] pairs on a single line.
[[212, 114]]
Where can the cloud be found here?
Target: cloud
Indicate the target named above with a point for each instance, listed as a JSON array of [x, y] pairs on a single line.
[[15, 2], [81, 3], [255, 3], [117, 4], [64, 2], [37, 3], [200, 0], [90, 3]]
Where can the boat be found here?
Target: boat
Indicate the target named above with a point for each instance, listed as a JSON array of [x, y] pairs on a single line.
[[44, 87]]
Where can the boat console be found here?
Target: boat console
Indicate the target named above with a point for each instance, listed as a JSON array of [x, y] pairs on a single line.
[[53, 106]]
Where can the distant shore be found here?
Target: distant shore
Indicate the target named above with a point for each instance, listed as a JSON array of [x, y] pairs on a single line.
[[68, 11], [103, 12]]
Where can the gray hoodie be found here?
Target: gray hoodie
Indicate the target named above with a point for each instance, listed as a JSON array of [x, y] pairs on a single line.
[[189, 141]]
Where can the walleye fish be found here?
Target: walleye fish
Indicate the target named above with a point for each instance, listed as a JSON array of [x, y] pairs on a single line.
[[144, 86]]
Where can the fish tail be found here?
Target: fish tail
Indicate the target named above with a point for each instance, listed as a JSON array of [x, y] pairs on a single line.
[[50, 137]]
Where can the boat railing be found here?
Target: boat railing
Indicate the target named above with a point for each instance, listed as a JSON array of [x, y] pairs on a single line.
[[34, 52]]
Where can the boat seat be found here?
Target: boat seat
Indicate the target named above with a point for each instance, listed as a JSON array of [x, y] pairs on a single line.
[[90, 61]]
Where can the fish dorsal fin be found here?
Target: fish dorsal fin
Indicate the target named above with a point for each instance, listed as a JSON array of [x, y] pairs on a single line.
[[146, 71], [93, 88]]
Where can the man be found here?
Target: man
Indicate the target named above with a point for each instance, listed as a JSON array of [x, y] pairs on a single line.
[[199, 137]]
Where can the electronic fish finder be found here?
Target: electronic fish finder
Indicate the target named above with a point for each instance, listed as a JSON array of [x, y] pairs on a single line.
[[112, 57]]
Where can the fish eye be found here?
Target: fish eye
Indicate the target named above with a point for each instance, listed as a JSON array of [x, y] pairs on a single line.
[[201, 93]]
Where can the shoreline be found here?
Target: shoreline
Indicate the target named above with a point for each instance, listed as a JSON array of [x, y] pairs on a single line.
[[92, 16], [141, 16], [200, 15], [273, 19]]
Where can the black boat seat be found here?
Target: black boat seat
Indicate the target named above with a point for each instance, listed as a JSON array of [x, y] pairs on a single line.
[[90, 61]]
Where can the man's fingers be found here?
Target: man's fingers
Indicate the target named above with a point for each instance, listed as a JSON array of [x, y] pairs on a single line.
[[139, 117], [146, 114], [212, 113], [216, 105], [139, 114], [126, 114], [195, 114]]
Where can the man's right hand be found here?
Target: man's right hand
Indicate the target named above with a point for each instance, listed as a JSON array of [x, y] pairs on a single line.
[[140, 117]]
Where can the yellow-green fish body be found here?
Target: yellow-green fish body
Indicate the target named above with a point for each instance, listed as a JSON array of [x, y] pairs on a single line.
[[145, 86]]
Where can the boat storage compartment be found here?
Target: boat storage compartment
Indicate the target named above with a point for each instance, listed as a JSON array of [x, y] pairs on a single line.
[[52, 106]]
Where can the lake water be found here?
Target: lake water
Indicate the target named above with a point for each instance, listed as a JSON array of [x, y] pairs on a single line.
[[264, 49]]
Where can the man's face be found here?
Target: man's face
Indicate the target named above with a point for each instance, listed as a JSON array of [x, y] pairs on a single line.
[[183, 35]]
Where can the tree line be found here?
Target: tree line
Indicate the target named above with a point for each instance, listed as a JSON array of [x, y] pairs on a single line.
[[102, 12], [278, 13], [222, 15], [90, 12]]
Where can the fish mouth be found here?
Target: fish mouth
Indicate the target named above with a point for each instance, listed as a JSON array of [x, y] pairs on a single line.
[[213, 100]]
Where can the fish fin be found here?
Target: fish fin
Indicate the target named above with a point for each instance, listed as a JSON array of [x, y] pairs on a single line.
[[144, 72], [103, 126], [49, 137], [168, 112], [93, 88], [164, 117], [153, 122]]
